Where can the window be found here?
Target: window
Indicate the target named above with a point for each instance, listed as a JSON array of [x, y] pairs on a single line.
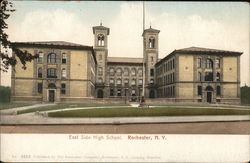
[[51, 73], [119, 92], [217, 76], [111, 81], [126, 82], [118, 81], [99, 80], [64, 58], [217, 63], [64, 73], [40, 57], [198, 62], [111, 93], [208, 76], [152, 42], [151, 72], [52, 58], [133, 92], [100, 39], [218, 93], [99, 70], [111, 71], [133, 82], [209, 63], [151, 81], [126, 72], [140, 82], [173, 64], [40, 72], [40, 87], [152, 59], [199, 90], [199, 76], [140, 72], [133, 72], [63, 88], [119, 72]]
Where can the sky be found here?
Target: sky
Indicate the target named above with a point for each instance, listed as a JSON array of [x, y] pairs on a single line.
[[218, 25]]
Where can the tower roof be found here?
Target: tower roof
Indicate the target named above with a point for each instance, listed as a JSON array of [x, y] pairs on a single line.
[[150, 30], [100, 27]]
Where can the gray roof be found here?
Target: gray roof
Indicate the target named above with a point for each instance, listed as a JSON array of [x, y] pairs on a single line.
[[124, 60], [199, 49]]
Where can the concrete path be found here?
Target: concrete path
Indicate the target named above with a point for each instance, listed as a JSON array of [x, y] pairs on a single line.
[[13, 111]]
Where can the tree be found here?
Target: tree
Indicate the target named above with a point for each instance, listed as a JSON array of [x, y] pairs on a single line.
[[6, 9]]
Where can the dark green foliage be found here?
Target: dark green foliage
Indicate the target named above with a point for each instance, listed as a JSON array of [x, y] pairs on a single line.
[[4, 94], [137, 112], [245, 95]]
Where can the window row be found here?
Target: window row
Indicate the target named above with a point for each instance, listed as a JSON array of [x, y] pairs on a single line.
[[169, 65], [167, 79], [51, 58], [208, 63], [121, 92], [51, 73], [125, 71], [199, 90], [167, 92], [125, 81], [40, 87], [208, 76]]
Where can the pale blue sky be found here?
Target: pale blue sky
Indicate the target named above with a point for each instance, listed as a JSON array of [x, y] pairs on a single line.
[[219, 25]]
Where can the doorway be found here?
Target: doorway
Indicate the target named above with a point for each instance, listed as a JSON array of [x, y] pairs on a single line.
[[51, 95], [99, 93], [209, 97], [152, 94]]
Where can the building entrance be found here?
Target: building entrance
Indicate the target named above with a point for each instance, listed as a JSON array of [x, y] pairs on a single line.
[[100, 94], [51, 95], [209, 97]]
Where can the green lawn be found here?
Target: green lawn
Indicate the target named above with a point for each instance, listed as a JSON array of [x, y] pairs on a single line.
[[12, 105], [136, 112], [63, 106]]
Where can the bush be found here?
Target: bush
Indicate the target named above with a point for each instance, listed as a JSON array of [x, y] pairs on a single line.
[[245, 95], [5, 93]]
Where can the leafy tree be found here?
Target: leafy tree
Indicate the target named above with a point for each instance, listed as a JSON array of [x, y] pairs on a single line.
[[6, 9]]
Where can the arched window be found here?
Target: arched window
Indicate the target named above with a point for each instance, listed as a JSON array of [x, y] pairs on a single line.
[[126, 72], [111, 71], [40, 72], [64, 73], [100, 39], [119, 72], [52, 58], [209, 63], [133, 82], [140, 72], [40, 57], [126, 82], [118, 81], [152, 42], [51, 85], [133, 71], [111, 81], [217, 76], [151, 81], [140, 81]]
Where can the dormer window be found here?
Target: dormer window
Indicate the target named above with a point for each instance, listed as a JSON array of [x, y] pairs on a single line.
[[100, 39], [152, 42]]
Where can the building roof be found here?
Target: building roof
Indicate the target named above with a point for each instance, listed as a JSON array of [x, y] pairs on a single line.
[[100, 27], [150, 30], [125, 60], [55, 44], [201, 51]]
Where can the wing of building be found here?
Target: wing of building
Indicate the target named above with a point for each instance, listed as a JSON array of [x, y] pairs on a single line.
[[69, 72]]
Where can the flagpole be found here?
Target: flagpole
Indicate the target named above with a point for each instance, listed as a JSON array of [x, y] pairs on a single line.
[[143, 68]]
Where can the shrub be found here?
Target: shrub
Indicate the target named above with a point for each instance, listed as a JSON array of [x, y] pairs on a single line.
[[245, 95], [5, 93]]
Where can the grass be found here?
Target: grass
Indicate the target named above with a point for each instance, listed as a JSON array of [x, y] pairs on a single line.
[[63, 106], [12, 105], [138, 112]]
